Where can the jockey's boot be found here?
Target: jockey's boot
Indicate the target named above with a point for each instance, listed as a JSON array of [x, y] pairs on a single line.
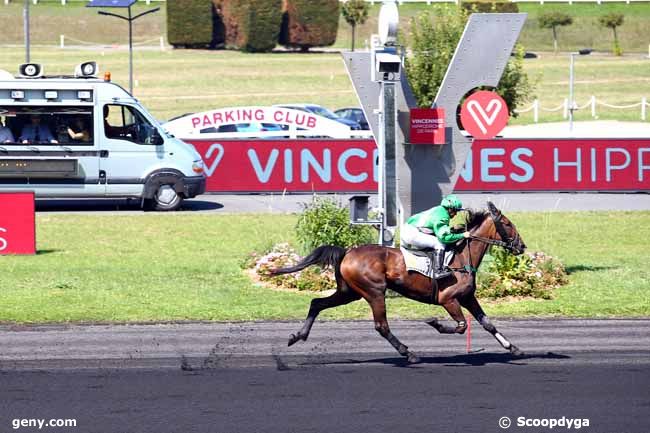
[[439, 269]]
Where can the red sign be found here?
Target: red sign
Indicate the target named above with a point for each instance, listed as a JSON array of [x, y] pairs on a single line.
[[484, 114], [493, 165], [427, 126], [557, 165], [17, 227], [289, 165]]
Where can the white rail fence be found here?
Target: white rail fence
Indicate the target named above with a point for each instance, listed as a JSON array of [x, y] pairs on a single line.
[[536, 107]]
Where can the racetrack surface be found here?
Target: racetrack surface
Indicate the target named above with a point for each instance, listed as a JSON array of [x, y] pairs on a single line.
[[241, 377]]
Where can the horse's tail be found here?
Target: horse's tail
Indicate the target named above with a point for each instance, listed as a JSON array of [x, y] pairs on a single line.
[[326, 255]]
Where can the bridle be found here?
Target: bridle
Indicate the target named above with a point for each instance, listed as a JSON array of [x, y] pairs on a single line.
[[505, 242]]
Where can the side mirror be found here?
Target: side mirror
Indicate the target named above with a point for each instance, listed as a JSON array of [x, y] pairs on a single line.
[[156, 139]]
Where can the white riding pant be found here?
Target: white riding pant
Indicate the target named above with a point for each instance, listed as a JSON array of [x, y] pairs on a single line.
[[412, 236]]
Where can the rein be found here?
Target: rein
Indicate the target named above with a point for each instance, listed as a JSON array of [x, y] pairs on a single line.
[[507, 243]]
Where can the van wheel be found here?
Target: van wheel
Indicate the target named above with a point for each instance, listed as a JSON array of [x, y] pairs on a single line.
[[166, 199]]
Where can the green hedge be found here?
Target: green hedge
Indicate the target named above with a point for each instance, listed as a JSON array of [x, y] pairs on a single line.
[[190, 23], [251, 25], [483, 7], [309, 23]]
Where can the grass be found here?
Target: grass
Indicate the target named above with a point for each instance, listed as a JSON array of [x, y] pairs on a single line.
[[186, 267]]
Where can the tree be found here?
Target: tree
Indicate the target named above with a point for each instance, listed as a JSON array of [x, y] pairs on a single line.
[[355, 12], [612, 21], [433, 41], [551, 20]]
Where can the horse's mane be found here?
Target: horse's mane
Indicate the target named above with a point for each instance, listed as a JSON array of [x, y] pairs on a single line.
[[476, 217]]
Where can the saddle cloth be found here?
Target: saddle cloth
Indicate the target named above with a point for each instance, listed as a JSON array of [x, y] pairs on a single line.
[[422, 263]]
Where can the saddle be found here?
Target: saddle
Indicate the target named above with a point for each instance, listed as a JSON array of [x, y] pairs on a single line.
[[419, 260]]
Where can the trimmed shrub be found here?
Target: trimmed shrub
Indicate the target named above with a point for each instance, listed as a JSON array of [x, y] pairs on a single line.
[[531, 275], [190, 23], [325, 222], [282, 255], [251, 25], [487, 7], [309, 23]]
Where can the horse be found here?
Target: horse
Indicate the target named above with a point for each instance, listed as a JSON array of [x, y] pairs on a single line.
[[368, 271]]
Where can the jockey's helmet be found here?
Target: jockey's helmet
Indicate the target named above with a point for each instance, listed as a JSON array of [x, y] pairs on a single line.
[[452, 202]]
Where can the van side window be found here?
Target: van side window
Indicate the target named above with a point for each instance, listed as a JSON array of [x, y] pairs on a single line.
[[122, 122]]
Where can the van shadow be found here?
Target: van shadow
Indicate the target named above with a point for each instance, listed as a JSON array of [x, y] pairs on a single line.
[[114, 205], [465, 360]]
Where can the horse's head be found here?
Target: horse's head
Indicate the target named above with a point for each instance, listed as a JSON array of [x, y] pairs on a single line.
[[506, 231]]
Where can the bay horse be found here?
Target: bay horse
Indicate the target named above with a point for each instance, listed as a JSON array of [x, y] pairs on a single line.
[[369, 270]]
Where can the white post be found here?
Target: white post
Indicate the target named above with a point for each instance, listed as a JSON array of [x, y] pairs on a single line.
[[565, 112], [35, 1], [593, 106], [644, 103], [162, 43], [7, 2], [62, 2], [62, 41], [536, 110]]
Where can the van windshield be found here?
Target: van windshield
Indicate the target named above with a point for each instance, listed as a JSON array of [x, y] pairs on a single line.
[[33, 125]]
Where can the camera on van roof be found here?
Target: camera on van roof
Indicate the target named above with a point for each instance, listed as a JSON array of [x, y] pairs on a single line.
[[30, 70], [86, 69]]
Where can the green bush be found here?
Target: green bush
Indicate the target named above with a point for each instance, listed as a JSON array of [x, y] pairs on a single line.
[[487, 7], [530, 275], [355, 12], [325, 222], [250, 25], [190, 23], [613, 21], [309, 23]]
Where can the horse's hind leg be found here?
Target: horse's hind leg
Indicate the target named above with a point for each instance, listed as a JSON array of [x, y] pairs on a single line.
[[318, 305], [456, 313], [471, 303], [378, 306]]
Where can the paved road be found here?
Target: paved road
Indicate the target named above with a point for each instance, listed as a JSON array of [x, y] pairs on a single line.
[[257, 203], [242, 378]]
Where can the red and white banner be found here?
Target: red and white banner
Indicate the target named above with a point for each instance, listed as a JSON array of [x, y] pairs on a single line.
[[557, 165], [493, 165], [17, 226], [289, 165]]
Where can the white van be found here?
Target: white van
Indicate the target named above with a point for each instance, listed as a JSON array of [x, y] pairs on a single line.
[[79, 136]]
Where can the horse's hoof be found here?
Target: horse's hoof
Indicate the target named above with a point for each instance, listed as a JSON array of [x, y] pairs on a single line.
[[515, 351], [293, 339], [412, 358]]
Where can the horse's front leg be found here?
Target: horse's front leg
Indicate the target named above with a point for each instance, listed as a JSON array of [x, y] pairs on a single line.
[[471, 303], [456, 313]]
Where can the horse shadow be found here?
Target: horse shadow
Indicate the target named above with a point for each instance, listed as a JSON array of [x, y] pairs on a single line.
[[587, 268], [464, 360]]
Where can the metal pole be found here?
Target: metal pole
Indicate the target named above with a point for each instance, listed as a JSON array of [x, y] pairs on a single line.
[[571, 93], [390, 170], [26, 28], [130, 52]]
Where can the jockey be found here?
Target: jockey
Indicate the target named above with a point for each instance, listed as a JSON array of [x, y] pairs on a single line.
[[430, 229]]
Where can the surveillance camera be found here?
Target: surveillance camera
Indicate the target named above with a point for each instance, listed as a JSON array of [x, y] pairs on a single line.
[[388, 66]]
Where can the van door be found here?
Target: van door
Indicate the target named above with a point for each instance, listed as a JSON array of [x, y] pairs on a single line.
[[128, 140]]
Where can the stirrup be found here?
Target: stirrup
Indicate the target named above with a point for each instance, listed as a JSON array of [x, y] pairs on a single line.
[[442, 273]]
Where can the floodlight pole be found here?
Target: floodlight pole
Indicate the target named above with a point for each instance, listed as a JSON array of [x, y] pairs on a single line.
[[130, 20], [26, 29]]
